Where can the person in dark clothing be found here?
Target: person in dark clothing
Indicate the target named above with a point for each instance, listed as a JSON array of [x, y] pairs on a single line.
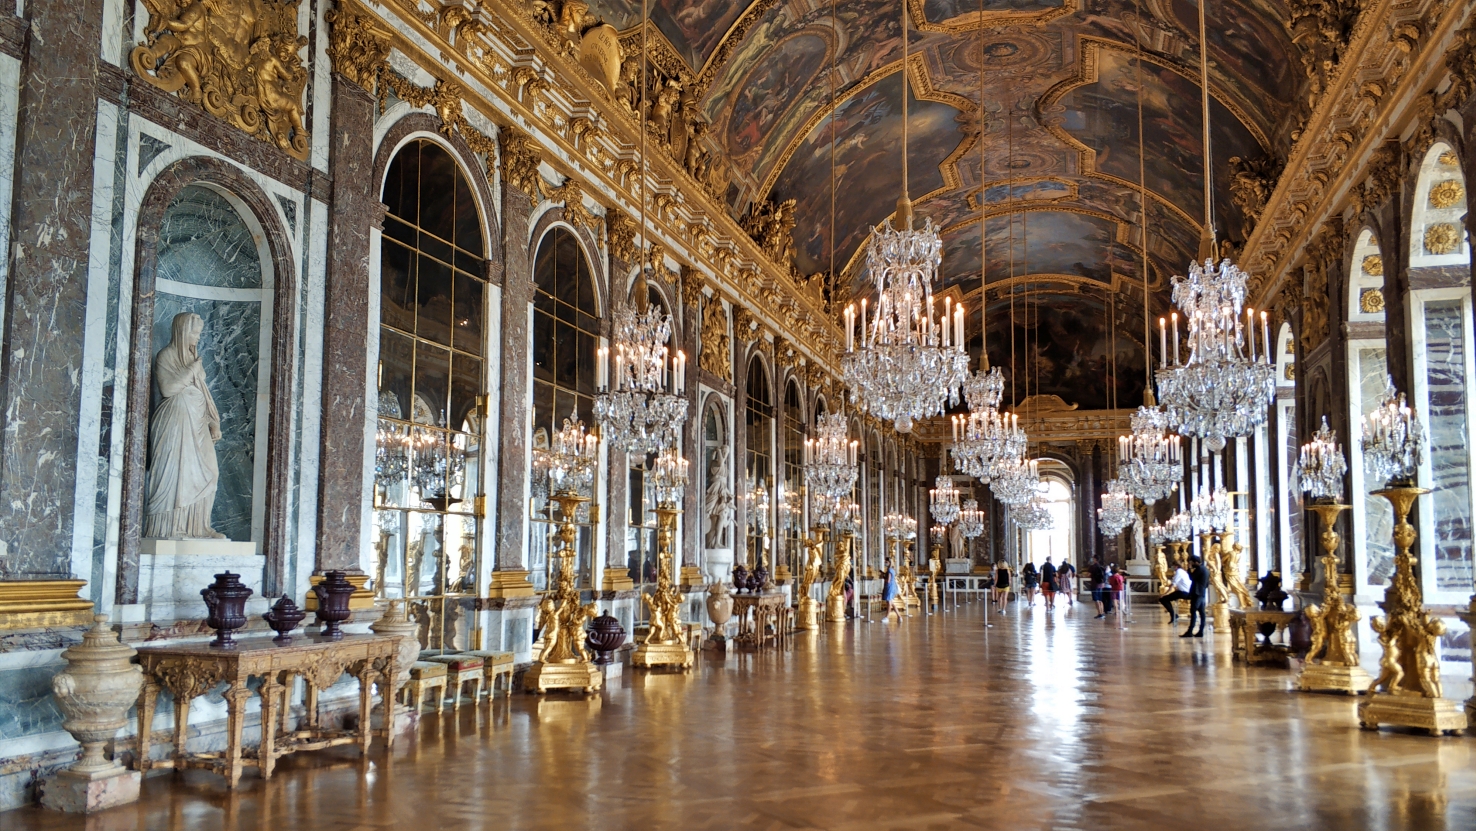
[[1048, 583], [1199, 580], [1097, 582]]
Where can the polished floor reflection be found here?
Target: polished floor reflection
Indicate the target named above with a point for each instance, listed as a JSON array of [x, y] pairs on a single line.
[[1043, 721]]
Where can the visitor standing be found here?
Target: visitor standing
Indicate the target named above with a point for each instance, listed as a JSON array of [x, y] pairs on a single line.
[[1117, 585], [1199, 580], [889, 591], [1001, 585], [1066, 581], [1096, 582], [1032, 583], [1048, 584], [1181, 586]]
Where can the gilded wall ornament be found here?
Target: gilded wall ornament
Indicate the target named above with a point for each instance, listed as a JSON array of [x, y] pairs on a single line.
[[238, 60], [1371, 301], [520, 163], [622, 234], [1442, 238], [1373, 265], [692, 284], [356, 46], [1447, 194], [1291, 371], [572, 195], [1383, 175], [746, 327], [1448, 158], [1251, 184], [715, 356]]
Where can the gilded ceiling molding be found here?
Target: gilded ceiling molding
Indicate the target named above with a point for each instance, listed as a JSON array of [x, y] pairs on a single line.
[[970, 21], [239, 62], [1073, 192], [1397, 45], [731, 39]]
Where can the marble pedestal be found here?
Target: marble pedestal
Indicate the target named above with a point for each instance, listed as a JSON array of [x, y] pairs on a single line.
[[171, 574], [84, 793]]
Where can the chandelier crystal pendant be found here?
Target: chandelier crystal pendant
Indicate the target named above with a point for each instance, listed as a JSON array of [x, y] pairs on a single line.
[[669, 477], [1032, 515], [644, 409], [943, 500], [896, 526], [1393, 440], [1117, 511], [1017, 481], [1210, 512], [1178, 528], [846, 517], [571, 458], [1321, 466], [970, 519], [985, 441], [830, 459], [1152, 460]]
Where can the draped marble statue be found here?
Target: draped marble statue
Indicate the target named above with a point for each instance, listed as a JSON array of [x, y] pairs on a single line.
[[183, 474], [718, 502], [956, 542]]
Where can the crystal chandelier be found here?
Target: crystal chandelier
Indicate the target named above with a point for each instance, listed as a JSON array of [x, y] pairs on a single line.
[[970, 519], [645, 410], [1393, 440], [1210, 512], [1117, 511], [1178, 528], [571, 457], [1017, 481], [1032, 515], [846, 518], [986, 440], [911, 361], [1157, 534], [669, 477], [899, 527], [1321, 466], [830, 459], [943, 500], [1152, 463]]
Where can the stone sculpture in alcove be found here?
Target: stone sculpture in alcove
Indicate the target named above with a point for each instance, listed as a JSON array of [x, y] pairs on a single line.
[[718, 502], [183, 474]]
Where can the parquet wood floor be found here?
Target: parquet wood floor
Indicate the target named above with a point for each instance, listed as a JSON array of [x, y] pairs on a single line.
[[1049, 721]]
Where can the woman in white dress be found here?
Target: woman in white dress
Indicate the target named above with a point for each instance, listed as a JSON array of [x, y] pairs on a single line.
[[183, 473]]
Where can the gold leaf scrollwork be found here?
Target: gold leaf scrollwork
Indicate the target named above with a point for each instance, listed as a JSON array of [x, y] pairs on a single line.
[[238, 59], [1442, 238], [356, 46], [520, 163], [622, 237], [572, 195], [1447, 194], [715, 356]]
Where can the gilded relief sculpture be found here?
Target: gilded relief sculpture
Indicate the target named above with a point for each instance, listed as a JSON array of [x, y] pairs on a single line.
[[809, 611], [239, 59], [563, 663], [664, 645], [835, 600]]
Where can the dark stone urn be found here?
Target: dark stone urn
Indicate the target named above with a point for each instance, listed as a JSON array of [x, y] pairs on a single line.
[[605, 636], [226, 600], [333, 602], [283, 617]]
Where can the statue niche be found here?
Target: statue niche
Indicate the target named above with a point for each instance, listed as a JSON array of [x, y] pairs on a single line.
[[183, 474]]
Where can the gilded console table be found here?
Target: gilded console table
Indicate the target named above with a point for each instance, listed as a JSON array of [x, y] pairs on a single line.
[[1245, 625], [188, 672], [755, 613]]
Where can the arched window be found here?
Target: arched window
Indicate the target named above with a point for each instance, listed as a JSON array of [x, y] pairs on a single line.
[[565, 332], [432, 382], [1368, 369], [759, 421], [793, 495], [1441, 344]]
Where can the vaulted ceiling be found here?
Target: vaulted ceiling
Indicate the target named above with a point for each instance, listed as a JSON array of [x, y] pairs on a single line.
[[1061, 85]]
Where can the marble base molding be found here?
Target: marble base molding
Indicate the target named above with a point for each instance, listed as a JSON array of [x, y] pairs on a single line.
[[38, 604], [171, 574], [510, 583], [85, 793]]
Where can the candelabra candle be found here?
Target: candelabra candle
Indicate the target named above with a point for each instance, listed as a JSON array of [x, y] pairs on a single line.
[[646, 408], [669, 477], [1393, 440], [943, 500], [572, 455], [1321, 466], [1116, 512], [970, 519], [1178, 528]]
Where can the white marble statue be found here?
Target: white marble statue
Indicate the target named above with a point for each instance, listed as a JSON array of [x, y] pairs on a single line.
[[718, 503], [956, 542], [1138, 550], [182, 475]]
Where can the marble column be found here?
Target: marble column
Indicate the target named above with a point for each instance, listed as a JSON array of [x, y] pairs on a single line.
[[510, 569], [1088, 501], [346, 322], [692, 300], [1390, 219], [616, 510], [46, 293], [739, 460]]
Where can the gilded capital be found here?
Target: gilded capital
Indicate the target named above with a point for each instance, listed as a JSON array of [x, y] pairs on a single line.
[[356, 46], [520, 162], [622, 233]]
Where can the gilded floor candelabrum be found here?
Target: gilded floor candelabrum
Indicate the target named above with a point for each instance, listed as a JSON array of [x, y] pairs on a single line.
[[563, 663], [664, 645], [835, 600], [1161, 571], [907, 578], [1332, 662], [935, 568], [1408, 692], [808, 614], [1219, 611]]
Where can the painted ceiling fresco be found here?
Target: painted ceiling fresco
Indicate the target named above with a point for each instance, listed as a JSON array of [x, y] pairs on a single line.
[[1056, 121]]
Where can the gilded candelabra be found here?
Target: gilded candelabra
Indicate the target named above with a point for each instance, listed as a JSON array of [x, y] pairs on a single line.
[[906, 577], [1332, 662], [1408, 690], [664, 645], [1230, 571], [808, 616], [1219, 610], [935, 566], [835, 600], [1160, 570], [563, 664]]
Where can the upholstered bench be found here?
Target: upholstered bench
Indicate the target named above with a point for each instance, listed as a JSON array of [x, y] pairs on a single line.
[[495, 664], [461, 669], [425, 675]]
